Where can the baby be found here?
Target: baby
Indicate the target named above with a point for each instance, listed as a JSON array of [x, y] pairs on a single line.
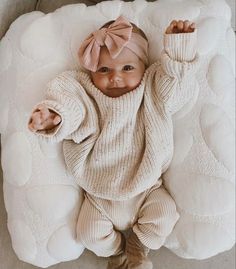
[[115, 122]]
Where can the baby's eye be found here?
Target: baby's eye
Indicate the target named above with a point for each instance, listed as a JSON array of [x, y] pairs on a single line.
[[103, 69], [128, 67]]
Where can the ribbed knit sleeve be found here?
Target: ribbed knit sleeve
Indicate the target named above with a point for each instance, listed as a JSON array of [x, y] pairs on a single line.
[[62, 97], [181, 47], [179, 60]]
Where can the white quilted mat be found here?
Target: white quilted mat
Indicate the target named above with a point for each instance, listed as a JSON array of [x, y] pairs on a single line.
[[41, 198]]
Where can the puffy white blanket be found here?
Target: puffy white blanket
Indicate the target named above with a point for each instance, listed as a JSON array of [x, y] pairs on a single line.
[[41, 198]]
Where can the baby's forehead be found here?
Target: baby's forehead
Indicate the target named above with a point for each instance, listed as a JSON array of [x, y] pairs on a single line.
[[125, 56]]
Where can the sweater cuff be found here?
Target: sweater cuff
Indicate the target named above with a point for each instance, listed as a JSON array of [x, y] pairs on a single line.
[[181, 47], [179, 69]]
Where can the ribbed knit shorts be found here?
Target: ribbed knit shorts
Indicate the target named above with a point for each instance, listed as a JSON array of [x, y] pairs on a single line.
[[151, 214]]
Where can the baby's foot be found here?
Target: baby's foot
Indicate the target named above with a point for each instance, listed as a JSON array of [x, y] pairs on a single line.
[[144, 264], [137, 254], [118, 262]]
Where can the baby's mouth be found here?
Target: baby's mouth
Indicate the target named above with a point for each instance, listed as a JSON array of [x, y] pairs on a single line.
[[116, 89]]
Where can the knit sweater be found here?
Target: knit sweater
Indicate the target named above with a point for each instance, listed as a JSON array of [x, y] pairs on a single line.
[[118, 147]]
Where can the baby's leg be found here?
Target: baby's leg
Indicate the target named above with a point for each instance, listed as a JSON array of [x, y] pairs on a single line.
[[157, 218], [96, 232]]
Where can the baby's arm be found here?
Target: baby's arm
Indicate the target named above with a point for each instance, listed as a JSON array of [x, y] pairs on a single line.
[[62, 112], [179, 64]]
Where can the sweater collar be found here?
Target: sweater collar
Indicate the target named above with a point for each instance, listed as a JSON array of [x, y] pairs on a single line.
[[127, 102]]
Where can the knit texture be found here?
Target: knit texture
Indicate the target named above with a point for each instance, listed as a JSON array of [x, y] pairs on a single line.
[[117, 148], [152, 216]]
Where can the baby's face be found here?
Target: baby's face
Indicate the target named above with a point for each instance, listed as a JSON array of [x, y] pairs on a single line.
[[115, 77]]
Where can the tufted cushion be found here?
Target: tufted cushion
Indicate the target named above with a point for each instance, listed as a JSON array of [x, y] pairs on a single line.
[[41, 197]]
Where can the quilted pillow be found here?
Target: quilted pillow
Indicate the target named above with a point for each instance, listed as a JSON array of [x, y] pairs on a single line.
[[41, 198]]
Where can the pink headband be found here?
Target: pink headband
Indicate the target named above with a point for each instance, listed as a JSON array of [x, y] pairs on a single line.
[[117, 36]]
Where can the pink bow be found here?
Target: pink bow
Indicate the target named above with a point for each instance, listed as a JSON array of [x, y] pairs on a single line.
[[115, 38]]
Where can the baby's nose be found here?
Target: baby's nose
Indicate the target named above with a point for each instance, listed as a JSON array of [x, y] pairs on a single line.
[[115, 77]]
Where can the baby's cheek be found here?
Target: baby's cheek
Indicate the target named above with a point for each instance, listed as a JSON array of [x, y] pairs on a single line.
[[100, 82], [103, 84], [134, 81]]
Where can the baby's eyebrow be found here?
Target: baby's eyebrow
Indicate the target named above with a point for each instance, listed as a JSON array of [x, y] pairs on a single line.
[[102, 66], [118, 64], [128, 63]]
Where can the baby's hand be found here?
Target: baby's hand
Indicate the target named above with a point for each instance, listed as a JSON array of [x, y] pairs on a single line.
[[43, 119], [177, 27]]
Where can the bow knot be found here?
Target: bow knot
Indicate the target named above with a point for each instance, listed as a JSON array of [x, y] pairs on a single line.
[[100, 36], [117, 36]]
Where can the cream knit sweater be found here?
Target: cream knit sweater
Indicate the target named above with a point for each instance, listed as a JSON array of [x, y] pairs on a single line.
[[117, 148]]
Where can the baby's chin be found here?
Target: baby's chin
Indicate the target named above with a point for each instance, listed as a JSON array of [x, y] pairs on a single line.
[[116, 92]]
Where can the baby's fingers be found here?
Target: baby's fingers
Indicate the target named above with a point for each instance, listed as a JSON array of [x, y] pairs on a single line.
[[186, 25], [56, 120], [38, 118], [37, 121], [170, 28], [45, 113], [189, 27], [31, 127], [173, 24], [180, 25], [35, 125], [193, 26]]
